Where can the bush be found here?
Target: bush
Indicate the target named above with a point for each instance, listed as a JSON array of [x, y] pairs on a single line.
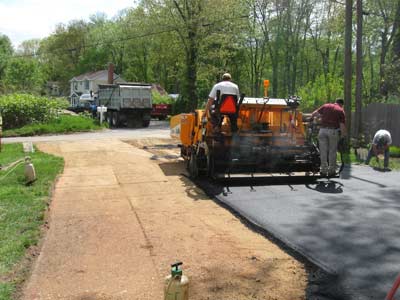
[[19, 110], [320, 91], [157, 98], [394, 151]]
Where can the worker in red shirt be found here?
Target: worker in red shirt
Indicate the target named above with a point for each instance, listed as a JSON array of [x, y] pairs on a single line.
[[332, 129]]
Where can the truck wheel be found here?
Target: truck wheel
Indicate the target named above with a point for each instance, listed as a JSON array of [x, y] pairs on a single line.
[[109, 118], [146, 123], [115, 119]]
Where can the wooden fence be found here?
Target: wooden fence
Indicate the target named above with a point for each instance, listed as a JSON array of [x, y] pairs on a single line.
[[381, 116]]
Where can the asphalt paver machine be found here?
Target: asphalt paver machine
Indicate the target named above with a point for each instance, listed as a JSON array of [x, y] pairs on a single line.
[[254, 135]]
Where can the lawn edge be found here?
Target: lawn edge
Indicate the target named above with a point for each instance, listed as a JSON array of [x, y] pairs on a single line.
[[22, 270]]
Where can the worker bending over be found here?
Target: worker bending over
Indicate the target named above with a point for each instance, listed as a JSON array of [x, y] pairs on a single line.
[[380, 145], [332, 128], [226, 87]]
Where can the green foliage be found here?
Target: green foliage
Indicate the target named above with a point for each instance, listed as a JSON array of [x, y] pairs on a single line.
[[320, 91], [186, 45], [61, 124], [161, 99], [23, 75], [394, 151], [6, 51], [180, 106], [21, 109], [22, 210]]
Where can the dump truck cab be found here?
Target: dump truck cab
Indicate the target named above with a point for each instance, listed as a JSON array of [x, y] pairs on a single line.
[[269, 136]]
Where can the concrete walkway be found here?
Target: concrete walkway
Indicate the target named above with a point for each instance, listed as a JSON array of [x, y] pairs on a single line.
[[95, 245], [120, 216]]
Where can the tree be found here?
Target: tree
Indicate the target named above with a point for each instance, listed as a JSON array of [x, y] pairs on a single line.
[[6, 50], [61, 52], [24, 75], [29, 48]]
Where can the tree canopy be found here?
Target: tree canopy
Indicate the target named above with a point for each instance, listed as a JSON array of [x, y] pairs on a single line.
[[185, 45]]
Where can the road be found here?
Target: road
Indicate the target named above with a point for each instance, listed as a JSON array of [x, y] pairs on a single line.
[[348, 227], [157, 129]]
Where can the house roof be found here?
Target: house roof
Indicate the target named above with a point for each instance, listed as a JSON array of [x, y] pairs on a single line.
[[93, 75]]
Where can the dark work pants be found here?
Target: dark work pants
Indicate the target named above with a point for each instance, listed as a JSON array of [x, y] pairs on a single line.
[[385, 161], [217, 120]]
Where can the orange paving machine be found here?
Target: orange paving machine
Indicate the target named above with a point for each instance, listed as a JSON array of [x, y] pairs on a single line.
[[253, 135]]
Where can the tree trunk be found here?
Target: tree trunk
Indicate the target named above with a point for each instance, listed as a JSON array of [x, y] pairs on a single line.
[[192, 71], [359, 66], [384, 50], [347, 66]]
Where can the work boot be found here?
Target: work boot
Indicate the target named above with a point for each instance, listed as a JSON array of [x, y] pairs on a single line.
[[332, 174]]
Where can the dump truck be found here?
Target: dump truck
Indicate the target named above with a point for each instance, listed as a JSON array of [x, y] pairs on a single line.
[[270, 136], [161, 111], [128, 104]]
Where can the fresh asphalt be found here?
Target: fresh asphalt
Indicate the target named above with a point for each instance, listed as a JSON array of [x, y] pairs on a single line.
[[348, 226]]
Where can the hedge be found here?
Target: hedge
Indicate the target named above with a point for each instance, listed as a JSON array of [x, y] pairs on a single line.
[[19, 110]]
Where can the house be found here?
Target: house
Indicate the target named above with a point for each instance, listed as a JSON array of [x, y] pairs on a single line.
[[89, 83], [53, 89]]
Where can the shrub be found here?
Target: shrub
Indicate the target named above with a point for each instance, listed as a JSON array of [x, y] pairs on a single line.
[[161, 99], [394, 151], [18, 110], [320, 91]]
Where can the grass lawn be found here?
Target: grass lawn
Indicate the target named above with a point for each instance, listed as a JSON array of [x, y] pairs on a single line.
[[64, 124], [22, 210]]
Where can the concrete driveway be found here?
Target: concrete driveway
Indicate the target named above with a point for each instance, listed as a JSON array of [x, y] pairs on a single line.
[[347, 226]]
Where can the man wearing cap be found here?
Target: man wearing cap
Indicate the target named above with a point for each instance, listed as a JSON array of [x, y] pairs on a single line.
[[332, 128], [380, 145], [226, 87]]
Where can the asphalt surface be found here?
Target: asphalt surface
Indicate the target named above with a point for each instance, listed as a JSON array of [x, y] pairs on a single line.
[[157, 129], [346, 226]]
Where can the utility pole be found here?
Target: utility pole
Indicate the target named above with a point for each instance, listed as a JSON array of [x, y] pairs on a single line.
[[348, 67], [359, 67]]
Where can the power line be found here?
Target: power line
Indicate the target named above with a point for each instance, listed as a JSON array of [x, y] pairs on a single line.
[[90, 45]]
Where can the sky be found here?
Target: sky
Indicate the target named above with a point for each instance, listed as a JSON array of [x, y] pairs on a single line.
[[27, 19]]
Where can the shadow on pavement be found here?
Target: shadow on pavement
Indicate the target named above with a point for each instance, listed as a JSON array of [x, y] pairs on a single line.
[[327, 187]]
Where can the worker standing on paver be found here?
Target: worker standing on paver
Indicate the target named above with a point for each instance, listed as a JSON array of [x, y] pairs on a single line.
[[380, 145], [332, 129], [226, 87]]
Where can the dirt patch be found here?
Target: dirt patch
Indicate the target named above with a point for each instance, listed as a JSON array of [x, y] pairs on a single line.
[[226, 259]]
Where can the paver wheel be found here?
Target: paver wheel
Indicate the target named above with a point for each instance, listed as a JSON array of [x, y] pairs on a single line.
[[193, 168]]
